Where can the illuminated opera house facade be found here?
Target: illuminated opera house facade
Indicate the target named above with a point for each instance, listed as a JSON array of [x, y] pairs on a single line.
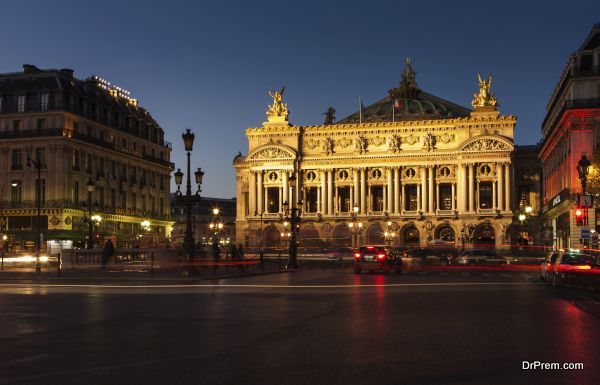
[[411, 165]]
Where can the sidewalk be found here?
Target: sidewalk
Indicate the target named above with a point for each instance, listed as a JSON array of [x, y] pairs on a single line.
[[134, 274]]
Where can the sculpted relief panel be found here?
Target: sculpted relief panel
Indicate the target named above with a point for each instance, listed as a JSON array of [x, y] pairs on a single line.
[[489, 144], [271, 153]]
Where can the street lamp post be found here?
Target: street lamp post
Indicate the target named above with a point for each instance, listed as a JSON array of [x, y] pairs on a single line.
[[90, 189], [354, 225], [37, 164], [389, 234], [295, 214], [215, 226], [583, 167], [189, 199]]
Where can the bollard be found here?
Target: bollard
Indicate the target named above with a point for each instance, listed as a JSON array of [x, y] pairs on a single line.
[[152, 264], [59, 265]]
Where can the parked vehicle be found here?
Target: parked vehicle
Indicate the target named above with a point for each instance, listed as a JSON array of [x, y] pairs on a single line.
[[574, 268], [482, 257], [430, 256], [547, 266], [376, 258]]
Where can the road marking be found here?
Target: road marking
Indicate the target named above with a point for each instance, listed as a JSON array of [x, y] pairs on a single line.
[[261, 286], [464, 273], [504, 275]]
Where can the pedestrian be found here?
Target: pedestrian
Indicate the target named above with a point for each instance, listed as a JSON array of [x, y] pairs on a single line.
[[233, 251], [216, 249], [107, 253], [240, 251]]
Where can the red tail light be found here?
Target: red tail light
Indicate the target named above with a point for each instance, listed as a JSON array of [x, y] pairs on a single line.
[[356, 255], [380, 256]]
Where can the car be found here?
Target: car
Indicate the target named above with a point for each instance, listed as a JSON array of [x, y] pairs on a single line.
[[340, 254], [573, 267], [428, 256], [377, 258], [481, 257], [547, 265]]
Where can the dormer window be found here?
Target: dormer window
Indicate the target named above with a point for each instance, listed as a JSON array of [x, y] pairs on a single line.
[[21, 103], [44, 99]]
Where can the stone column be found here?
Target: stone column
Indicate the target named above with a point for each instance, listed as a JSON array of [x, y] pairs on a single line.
[[363, 192], [396, 191], [284, 183], [471, 188], [460, 187], [453, 196], [330, 192], [508, 186], [323, 192], [355, 190], [423, 189], [390, 191], [500, 174], [260, 193], [419, 202], [251, 193], [403, 203], [430, 189], [297, 195], [494, 195], [437, 196]]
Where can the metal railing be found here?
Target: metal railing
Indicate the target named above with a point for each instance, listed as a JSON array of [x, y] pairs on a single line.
[[15, 108]]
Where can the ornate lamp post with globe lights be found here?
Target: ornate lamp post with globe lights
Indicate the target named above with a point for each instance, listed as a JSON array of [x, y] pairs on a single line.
[[354, 225], [216, 225], [389, 234], [295, 213], [189, 199]]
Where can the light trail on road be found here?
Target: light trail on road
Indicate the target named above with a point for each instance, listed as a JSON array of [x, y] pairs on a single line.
[[265, 286]]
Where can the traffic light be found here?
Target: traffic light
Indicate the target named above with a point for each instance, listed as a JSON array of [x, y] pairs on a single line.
[[579, 217]]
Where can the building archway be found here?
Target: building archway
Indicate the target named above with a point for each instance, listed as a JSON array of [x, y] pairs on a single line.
[[445, 233], [484, 235], [341, 235], [375, 235], [410, 236], [271, 236], [309, 236]]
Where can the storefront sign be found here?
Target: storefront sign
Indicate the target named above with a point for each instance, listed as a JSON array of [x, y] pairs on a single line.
[[556, 200]]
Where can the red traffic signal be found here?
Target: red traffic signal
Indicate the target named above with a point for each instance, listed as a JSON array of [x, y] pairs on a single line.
[[579, 217]]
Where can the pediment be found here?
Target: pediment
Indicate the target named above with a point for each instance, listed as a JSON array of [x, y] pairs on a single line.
[[487, 143], [272, 152]]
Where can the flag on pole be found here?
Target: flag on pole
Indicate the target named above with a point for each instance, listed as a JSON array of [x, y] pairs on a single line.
[[360, 110]]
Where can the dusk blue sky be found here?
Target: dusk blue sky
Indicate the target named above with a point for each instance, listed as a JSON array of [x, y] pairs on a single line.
[[209, 65]]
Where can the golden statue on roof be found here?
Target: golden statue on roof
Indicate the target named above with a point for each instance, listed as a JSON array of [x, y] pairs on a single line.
[[278, 109], [484, 98]]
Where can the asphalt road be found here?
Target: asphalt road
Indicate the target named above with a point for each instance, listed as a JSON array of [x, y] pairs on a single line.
[[324, 326]]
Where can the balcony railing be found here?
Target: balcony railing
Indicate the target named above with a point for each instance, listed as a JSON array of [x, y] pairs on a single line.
[[17, 134], [70, 204], [14, 108], [570, 105]]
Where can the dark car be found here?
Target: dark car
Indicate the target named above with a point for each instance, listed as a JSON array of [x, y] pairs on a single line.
[[481, 257], [376, 258], [429, 256], [547, 266], [574, 268]]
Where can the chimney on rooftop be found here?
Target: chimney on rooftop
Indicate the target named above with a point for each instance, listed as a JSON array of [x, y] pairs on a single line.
[[30, 69]]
